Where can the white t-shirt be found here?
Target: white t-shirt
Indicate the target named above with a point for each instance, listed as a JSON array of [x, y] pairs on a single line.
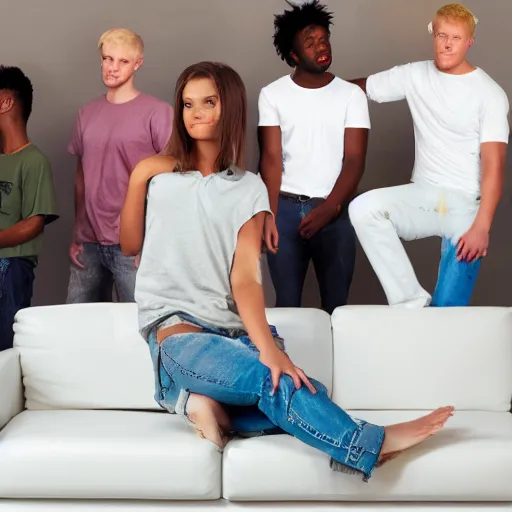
[[312, 123], [452, 116]]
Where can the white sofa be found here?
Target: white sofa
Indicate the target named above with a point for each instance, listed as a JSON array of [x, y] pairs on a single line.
[[79, 428]]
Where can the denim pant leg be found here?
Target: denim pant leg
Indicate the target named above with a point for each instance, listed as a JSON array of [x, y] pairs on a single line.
[[228, 371], [333, 250], [124, 271], [245, 421], [93, 283], [167, 393], [249, 421], [456, 279], [16, 288], [289, 266]]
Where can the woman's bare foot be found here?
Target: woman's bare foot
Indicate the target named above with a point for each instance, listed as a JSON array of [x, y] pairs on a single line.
[[400, 437], [386, 458], [209, 418]]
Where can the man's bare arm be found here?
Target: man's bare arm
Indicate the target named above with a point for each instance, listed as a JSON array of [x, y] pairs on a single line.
[[354, 161], [493, 155], [474, 243], [22, 232], [271, 163], [79, 196]]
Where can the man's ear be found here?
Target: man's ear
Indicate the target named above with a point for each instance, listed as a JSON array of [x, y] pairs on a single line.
[[293, 55], [471, 42], [6, 102], [138, 63]]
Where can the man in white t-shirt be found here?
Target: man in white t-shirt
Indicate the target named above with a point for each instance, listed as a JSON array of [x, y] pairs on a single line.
[[313, 133], [461, 131]]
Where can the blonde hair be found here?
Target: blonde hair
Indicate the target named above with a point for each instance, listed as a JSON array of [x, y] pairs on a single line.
[[458, 12], [122, 36]]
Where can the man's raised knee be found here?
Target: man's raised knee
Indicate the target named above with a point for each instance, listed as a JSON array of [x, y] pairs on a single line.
[[359, 209], [367, 207]]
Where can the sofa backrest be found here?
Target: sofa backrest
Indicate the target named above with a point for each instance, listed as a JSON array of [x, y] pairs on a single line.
[[394, 358], [91, 356]]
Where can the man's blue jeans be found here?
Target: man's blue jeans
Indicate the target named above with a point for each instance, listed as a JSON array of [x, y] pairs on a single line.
[[226, 368], [104, 266], [332, 251], [16, 286], [456, 279]]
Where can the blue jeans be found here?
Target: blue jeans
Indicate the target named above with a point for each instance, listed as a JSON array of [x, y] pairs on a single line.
[[456, 279], [216, 364], [104, 266], [16, 286], [332, 251], [245, 421]]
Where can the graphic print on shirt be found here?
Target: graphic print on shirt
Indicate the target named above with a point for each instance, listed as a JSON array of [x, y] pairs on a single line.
[[5, 189]]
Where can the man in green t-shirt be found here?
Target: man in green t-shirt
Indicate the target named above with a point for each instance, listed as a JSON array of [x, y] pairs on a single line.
[[27, 200]]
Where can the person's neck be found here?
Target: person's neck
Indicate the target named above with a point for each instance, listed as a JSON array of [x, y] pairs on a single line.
[[461, 69], [13, 138], [309, 80], [205, 155], [122, 94]]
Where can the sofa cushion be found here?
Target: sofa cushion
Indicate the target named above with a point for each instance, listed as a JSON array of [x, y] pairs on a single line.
[[307, 336], [106, 454], [84, 356], [469, 460], [395, 358], [91, 356]]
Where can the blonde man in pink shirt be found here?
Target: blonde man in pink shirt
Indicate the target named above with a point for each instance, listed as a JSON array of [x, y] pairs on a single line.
[[111, 134]]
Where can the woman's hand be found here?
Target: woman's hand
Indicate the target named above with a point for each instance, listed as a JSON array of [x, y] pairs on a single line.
[[279, 363]]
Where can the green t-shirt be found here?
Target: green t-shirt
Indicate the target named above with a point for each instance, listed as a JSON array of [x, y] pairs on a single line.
[[26, 189]]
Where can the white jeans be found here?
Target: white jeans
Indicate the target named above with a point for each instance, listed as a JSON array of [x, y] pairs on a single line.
[[417, 210]]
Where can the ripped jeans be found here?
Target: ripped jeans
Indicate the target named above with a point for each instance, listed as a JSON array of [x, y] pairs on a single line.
[[411, 212], [225, 366]]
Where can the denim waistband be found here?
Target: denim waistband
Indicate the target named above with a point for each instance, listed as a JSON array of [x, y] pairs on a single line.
[[182, 317], [222, 331]]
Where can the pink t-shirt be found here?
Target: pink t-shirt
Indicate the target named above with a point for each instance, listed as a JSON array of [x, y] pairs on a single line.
[[111, 139]]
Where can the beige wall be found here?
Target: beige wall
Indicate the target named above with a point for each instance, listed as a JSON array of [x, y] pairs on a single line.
[[54, 42]]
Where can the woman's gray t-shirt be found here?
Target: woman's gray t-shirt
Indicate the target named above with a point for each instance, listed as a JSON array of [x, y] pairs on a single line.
[[192, 225]]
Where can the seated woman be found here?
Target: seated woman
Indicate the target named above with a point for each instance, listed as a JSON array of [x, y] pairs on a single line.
[[199, 290]]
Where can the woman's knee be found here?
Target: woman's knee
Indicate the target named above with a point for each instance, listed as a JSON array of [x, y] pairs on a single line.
[[320, 388], [289, 387]]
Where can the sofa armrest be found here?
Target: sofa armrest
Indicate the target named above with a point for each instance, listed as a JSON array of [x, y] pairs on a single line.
[[11, 386]]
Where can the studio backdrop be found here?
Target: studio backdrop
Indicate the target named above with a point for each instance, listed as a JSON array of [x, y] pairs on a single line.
[[54, 42]]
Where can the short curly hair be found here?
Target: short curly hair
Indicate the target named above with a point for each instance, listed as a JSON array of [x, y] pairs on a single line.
[[287, 25], [13, 79]]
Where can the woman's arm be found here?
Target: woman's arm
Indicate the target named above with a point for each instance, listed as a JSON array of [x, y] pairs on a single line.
[[247, 288], [131, 233]]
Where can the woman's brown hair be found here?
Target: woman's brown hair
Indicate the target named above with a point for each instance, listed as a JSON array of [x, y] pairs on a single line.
[[232, 122]]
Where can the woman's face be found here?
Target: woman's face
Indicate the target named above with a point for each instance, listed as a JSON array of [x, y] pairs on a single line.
[[201, 109]]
